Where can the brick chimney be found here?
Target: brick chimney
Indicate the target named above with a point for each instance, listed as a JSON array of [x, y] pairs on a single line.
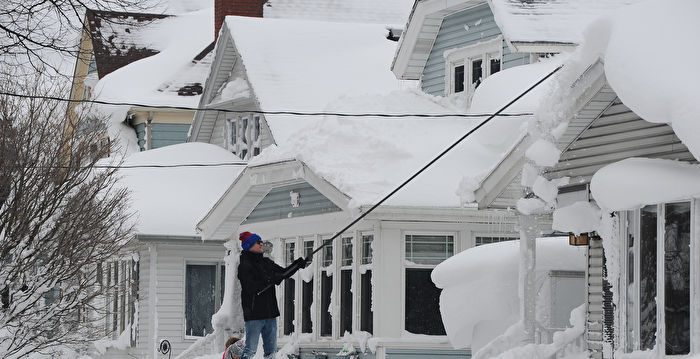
[[223, 8]]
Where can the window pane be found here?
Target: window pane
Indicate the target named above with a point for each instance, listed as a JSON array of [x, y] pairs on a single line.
[[366, 317], [289, 291], [244, 130], [367, 248], [256, 134], [495, 66], [647, 278], [289, 306], [234, 133], [307, 297], [677, 278], [307, 294], [632, 292], [459, 79], [199, 299], [326, 320], [486, 240], [476, 73], [422, 303], [327, 255], [222, 285], [345, 301], [347, 251], [425, 249], [289, 253]]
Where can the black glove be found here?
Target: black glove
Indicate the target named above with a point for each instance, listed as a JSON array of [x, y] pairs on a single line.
[[300, 263]]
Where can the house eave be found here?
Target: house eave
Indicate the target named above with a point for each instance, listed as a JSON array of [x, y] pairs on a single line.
[[252, 186], [542, 46]]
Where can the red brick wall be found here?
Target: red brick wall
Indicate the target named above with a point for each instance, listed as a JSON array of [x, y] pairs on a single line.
[[222, 8]]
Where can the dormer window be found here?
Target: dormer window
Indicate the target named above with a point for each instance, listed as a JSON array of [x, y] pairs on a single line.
[[243, 136], [467, 67]]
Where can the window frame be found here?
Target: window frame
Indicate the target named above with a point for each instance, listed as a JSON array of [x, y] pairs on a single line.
[[220, 271], [632, 343], [464, 56], [406, 265]]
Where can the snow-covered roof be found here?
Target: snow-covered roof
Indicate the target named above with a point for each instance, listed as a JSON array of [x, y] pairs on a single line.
[[388, 12], [303, 65], [480, 285], [154, 80], [171, 200], [366, 158], [549, 21]]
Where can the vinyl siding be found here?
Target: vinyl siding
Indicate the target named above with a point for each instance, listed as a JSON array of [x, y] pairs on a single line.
[[164, 134], [277, 204], [170, 291], [452, 34]]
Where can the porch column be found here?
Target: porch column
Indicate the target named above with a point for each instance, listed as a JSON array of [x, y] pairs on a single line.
[[528, 293]]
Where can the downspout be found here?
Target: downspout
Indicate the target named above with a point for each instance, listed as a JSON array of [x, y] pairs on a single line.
[[152, 300], [528, 262], [149, 137]]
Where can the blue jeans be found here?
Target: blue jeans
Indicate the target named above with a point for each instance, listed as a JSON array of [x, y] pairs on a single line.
[[253, 330]]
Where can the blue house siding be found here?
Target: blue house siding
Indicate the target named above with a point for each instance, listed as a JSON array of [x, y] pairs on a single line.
[[164, 134], [453, 34], [277, 204]]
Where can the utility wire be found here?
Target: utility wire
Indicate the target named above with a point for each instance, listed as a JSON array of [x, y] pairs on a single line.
[[260, 112], [448, 149], [220, 164]]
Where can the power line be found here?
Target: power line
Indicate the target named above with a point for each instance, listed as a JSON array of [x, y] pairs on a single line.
[[220, 164], [402, 185], [260, 112]]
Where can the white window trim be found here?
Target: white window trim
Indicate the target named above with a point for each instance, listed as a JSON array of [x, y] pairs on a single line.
[[486, 51]]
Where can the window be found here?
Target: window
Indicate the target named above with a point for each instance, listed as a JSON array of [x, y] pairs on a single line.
[[647, 252], [307, 293], [346, 285], [467, 67], [423, 252], [326, 290], [119, 282], [479, 241], [243, 136], [366, 315], [289, 290], [202, 297]]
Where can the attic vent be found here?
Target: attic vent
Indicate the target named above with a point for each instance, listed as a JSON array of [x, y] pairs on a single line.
[[190, 90], [573, 188]]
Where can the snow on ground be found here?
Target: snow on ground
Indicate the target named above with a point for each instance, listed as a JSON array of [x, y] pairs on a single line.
[[170, 201], [479, 296]]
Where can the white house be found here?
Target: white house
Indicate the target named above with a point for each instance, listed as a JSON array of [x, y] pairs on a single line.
[[169, 282], [622, 136]]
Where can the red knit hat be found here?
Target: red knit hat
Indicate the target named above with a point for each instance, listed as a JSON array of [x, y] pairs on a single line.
[[248, 240]]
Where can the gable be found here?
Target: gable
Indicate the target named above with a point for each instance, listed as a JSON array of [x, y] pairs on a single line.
[[279, 203], [465, 28], [615, 134]]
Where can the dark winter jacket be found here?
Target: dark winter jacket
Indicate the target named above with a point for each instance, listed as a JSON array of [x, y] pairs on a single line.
[[255, 272]]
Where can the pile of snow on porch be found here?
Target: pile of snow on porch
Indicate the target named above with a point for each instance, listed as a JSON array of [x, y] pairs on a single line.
[[479, 298]]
